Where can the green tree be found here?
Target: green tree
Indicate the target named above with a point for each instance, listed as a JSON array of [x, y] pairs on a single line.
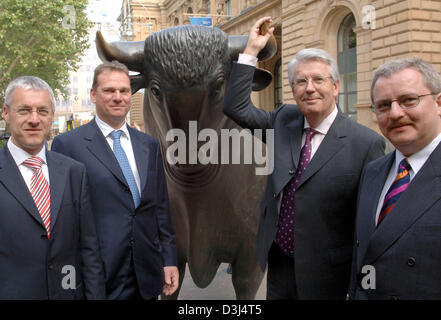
[[44, 38]]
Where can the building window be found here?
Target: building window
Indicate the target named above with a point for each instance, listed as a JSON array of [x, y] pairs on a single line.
[[228, 8], [278, 88], [347, 65]]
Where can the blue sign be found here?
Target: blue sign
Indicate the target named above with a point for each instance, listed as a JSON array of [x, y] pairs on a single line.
[[200, 21]]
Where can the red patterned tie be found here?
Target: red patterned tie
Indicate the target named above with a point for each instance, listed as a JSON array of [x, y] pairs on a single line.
[[40, 191], [285, 234], [400, 184]]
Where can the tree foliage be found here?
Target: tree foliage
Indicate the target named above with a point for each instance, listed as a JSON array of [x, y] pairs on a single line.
[[44, 38]]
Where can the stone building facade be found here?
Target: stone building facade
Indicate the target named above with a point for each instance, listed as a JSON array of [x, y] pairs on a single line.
[[360, 34]]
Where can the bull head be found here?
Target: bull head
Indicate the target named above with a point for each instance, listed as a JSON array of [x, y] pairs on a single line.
[[131, 53], [184, 70]]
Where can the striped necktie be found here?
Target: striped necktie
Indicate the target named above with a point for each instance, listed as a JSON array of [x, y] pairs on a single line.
[[400, 184], [40, 191], [125, 166]]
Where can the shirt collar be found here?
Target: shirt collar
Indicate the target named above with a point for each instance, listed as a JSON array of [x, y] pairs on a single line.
[[106, 129], [324, 126], [19, 155], [418, 159]]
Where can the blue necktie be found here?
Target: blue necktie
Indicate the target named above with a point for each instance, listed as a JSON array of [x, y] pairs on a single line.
[[125, 166]]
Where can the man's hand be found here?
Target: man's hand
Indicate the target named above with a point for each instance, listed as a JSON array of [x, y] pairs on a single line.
[[257, 40], [171, 278]]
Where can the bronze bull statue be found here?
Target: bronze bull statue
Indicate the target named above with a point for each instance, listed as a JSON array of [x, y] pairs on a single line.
[[215, 207]]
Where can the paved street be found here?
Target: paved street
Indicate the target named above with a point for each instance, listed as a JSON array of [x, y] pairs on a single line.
[[220, 288]]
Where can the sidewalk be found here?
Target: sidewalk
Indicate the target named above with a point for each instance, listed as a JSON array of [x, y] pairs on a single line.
[[221, 288]]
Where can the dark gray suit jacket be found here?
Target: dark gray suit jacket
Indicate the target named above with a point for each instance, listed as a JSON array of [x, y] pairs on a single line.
[[405, 249], [325, 199], [31, 265]]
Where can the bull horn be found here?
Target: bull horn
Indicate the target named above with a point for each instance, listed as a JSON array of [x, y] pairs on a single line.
[[130, 53], [237, 44]]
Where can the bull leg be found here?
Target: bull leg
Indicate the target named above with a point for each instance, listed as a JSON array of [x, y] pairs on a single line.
[[247, 275]]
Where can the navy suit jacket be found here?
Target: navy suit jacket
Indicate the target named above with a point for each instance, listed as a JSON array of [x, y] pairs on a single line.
[[31, 265], [325, 198], [405, 249], [122, 229]]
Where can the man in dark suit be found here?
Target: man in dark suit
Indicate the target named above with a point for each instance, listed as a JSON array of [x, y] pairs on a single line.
[[128, 192], [308, 245], [398, 228], [48, 243]]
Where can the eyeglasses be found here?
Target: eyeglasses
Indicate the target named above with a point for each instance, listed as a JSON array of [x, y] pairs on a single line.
[[407, 101], [26, 111], [317, 81]]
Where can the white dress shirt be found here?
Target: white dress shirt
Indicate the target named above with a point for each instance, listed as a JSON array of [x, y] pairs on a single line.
[[416, 161], [126, 144], [19, 156]]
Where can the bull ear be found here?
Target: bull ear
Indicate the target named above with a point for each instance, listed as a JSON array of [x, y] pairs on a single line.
[[137, 82], [237, 44], [130, 53], [261, 79]]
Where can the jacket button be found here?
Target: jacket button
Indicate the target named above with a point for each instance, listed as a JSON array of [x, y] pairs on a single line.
[[394, 298], [50, 266], [358, 243], [132, 241], [411, 261], [291, 171], [275, 195]]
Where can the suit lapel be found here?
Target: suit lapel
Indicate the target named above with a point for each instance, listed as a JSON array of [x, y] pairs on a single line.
[[373, 185], [330, 145], [426, 187], [58, 177], [98, 146], [141, 152], [13, 181], [287, 159]]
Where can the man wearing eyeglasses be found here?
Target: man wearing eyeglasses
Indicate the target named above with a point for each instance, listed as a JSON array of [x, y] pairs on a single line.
[[308, 210], [48, 243], [398, 229]]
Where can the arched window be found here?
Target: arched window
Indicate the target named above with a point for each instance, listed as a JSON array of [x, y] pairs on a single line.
[[347, 65], [278, 89]]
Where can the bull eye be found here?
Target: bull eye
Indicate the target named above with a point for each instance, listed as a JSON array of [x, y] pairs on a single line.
[[218, 87], [155, 90]]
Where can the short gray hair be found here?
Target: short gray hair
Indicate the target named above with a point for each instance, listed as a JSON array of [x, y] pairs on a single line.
[[313, 54], [431, 77], [28, 83]]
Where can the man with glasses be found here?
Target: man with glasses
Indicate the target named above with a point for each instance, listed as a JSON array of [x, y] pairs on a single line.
[[48, 243], [398, 229], [308, 210]]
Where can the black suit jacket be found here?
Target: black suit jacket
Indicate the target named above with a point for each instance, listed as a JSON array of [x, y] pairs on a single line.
[[122, 229], [31, 266], [405, 249], [325, 199]]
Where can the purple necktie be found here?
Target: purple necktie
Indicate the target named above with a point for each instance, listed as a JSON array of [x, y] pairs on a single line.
[[285, 234]]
